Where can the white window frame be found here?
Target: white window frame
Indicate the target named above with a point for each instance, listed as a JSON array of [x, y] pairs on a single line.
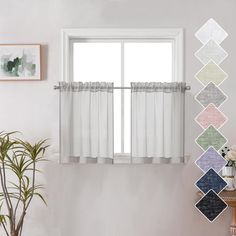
[[175, 34], [68, 36]]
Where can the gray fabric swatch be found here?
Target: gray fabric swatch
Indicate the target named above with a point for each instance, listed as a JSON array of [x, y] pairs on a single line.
[[211, 94]]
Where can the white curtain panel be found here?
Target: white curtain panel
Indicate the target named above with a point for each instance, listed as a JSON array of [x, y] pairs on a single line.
[[86, 122], [157, 122]]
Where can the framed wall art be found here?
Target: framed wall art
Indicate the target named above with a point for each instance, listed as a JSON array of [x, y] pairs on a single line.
[[20, 62]]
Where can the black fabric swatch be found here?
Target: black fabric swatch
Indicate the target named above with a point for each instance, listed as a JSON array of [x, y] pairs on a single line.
[[211, 205]]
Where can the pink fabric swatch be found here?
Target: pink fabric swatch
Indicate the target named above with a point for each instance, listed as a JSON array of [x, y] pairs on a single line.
[[211, 115]]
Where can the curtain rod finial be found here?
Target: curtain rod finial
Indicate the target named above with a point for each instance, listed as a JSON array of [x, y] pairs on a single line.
[[188, 87]]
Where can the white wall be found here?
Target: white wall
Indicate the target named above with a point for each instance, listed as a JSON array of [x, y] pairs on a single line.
[[112, 200]]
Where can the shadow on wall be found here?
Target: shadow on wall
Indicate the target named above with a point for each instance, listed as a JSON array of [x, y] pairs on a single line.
[[44, 61]]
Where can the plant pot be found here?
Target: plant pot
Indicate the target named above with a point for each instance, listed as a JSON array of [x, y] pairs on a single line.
[[228, 171], [230, 183]]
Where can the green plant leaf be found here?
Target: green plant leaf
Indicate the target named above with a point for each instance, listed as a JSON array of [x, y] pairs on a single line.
[[41, 197]]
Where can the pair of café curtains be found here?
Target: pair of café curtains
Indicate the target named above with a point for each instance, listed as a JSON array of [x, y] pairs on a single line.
[[87, 121]]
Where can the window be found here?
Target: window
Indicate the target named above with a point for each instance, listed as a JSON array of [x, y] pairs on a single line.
[[122, 56]]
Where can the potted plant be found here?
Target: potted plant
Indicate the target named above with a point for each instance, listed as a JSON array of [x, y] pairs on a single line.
[[18, 167], [228, 172]]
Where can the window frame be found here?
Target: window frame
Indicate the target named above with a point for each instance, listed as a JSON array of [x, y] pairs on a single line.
[[69, 36]]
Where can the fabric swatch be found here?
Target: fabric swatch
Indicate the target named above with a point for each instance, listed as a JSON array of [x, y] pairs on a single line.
[[211, 115], [211, 30], [211, 205], [211, 159], [211, 94], [211, 51], [211, 137], [211, 180], [211, 72]]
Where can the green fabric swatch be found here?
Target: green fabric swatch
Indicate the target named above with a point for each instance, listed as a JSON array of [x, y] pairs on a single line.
[[211, 137]]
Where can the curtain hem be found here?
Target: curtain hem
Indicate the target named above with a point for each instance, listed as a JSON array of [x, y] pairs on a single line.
[[157, 160], [91, 160], [124, 160]]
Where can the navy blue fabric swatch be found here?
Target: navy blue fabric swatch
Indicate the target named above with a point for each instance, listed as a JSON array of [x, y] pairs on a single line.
[[211, 180], [211, 205]]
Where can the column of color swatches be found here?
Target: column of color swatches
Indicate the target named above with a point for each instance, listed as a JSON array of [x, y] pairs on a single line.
[[211, 118]]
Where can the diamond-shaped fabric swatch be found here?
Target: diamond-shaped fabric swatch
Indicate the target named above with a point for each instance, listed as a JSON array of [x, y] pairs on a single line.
[[211, 137], [211, 180], [211, 72], [211, 94], [211, 115], [211, 51], [211, 205], [211, 30], [211, 159]]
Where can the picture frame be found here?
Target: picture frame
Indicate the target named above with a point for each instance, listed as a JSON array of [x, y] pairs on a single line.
[[20, 62]]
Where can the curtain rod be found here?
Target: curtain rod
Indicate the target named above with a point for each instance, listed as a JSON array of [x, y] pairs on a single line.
[[187, 87]]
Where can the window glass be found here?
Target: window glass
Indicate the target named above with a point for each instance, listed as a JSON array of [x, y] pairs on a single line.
[[97, 62], [148, 62]]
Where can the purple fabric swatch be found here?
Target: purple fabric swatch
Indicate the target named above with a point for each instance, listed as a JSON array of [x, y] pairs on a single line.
[[211, 159]]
